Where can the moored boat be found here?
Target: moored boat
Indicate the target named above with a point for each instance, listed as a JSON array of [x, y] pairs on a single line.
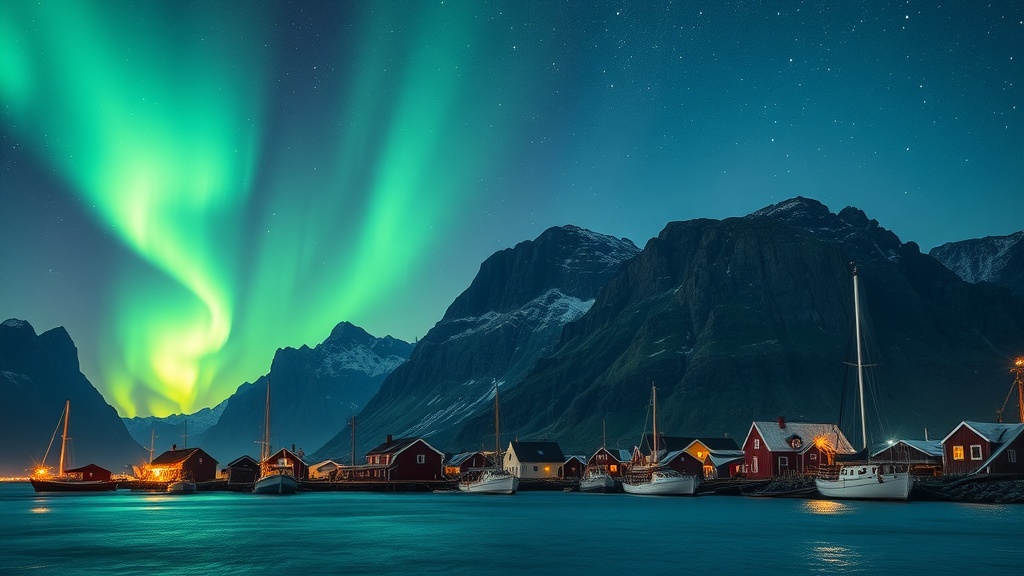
[[494, 479], [599, 481], [275, 477], [181, 487], [654, 478], [90, 478], [866, 480]]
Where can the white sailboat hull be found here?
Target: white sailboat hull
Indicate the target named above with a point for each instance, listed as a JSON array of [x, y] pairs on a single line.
[[181, 487], [276, 484], [599, 483], [662, 484], [491, 482], [894, 486]]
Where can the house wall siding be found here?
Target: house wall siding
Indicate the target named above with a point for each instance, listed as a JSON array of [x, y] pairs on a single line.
[[965, 437]]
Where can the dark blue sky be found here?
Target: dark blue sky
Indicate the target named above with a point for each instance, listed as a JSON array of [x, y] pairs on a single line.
[[188, 187]]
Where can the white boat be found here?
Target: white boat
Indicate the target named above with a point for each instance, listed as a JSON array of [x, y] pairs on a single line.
[[181, 487], [495, 479], [655, 479], [866, 480], [599, 481], [870, 481], [491, 481], [275, 477]]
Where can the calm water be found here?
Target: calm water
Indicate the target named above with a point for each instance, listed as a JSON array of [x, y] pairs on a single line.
[[531, 532]]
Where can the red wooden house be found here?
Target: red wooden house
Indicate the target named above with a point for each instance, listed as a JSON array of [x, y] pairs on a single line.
[[782, 448], [609, 461], [574, 467], [984, 448], [89, 472], [186, 464], [923, 456], [463, 462], [287, 457], [405, 459]]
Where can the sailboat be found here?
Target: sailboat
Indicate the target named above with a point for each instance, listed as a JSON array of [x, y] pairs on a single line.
[[597, 478], [275, 477], [70, 480], [654, 478], [870, 480], [493, 479]]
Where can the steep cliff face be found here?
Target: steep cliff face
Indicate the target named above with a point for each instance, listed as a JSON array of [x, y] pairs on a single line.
[[751, 318], [510, 315], [37, 375], [314, 391], [996, 259]]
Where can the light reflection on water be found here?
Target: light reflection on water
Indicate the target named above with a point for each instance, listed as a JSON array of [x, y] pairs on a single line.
[[826, 507], [239, 534]]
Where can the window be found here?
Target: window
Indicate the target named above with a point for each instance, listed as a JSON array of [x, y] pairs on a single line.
[[783, 462], [757, 445], [753, 463], [814, 456], [534, 468], [958, 452], [1011, 456], [975, 451], [421, 459]]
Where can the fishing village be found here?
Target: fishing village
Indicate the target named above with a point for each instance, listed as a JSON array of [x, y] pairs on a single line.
[[974, 462]]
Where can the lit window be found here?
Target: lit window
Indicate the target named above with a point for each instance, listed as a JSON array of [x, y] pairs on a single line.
[[975, 451], [958, 452], [757, 445], [613, 468]]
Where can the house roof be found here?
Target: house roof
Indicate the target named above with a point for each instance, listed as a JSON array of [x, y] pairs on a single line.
[[398, 445], [993, 432], [931, 448], [287, 454], [87, 467], [1008, 437], [683, 442], [246, 461], [460, 458], [581, 459], [724, 457], [174, 457], [538, 452], [777, 439]]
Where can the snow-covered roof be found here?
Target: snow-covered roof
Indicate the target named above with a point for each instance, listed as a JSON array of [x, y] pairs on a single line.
[[718, 459], [929, 447], [777, 439], [1008, 439], [993, 432], [461, 457]]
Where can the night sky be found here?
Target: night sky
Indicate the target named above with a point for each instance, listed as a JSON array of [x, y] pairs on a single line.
[[188, 186]]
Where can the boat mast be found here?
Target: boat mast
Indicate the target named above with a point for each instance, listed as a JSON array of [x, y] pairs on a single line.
[[265, 449], [860, 363], [604, 435], [152, 439], [497, 435], [64, 437], [353, 422], [654, 412]]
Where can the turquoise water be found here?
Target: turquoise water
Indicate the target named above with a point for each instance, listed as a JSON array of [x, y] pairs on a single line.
[[532, 532]]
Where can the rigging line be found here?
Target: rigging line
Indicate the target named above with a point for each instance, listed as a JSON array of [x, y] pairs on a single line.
[[52, 438]]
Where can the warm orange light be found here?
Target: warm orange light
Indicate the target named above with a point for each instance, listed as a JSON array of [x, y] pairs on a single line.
[[1020, 361], [613, 468], [547, 468], [41, 472]]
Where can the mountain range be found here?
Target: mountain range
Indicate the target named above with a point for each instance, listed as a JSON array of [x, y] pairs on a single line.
[[734, 320]]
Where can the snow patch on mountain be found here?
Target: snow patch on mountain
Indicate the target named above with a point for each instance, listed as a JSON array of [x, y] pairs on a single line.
[[553, 308], [198, 422], [979, 259], [358, 359]]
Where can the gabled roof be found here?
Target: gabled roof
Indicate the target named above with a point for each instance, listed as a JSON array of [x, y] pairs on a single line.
[[777, 439], [673, 443], [320, 465], [993, 432], [538, 452], [397, 445], [614, 452], [244, 461], [720, 452], [1008, 437], [931, 448], [725, 456], [176, 457], [86, 468], [287, 454], [461, 457], [581, 459], [670, 456]]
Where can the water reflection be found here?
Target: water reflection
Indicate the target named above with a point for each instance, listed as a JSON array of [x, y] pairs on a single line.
[[825, 507], [835, 556], [40, 510]]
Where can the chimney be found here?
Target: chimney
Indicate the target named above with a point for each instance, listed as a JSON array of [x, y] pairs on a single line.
[[174, 447], [293, 448], [388, 439], [782, 422]]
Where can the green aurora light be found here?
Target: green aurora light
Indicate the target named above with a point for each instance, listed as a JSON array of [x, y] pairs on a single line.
[[158, 116]]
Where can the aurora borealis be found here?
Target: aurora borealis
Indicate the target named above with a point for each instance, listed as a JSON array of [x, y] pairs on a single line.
[[189, 186]]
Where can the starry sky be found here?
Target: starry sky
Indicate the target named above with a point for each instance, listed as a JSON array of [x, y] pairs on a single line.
[[187, 186]]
